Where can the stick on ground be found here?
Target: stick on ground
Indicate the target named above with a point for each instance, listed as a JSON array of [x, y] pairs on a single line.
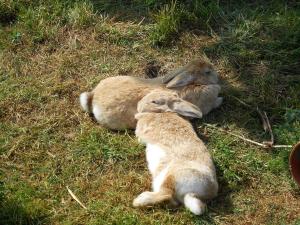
[[266, 126], [75, 198], [246, 139]]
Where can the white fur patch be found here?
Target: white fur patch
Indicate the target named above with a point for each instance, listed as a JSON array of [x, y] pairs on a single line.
[[194, 204], [143, 199], [84, 98], [97, 113], [159, 179], [154, 156]]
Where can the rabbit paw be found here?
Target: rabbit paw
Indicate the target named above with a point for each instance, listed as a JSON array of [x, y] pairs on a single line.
[[143, 199]]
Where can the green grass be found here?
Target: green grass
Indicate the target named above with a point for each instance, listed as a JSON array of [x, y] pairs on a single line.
[[167, 23], [51, 51], [176, 16], [81, 14]]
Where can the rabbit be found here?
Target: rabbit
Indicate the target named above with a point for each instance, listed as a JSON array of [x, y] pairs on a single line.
[[181, 167], [114, 101]]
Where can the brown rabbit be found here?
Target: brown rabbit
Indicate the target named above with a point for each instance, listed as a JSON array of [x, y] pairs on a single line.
[[114, 101], [181, 166]]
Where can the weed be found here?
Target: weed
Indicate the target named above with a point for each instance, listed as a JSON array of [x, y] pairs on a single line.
[[16, 37]]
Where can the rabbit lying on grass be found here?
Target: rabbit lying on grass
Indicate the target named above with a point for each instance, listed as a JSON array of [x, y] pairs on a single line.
[[114, 101], [181, 166]]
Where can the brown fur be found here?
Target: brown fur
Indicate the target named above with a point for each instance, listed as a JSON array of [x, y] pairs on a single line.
[[117, 97], [203, 96], [174, 134]]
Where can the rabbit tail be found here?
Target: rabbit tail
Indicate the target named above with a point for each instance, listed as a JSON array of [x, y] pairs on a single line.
[[194, 204], [86, 101]]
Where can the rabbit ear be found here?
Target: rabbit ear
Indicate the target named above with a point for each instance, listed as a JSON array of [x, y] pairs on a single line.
[[186, 109], [168, 77], [182, 79]]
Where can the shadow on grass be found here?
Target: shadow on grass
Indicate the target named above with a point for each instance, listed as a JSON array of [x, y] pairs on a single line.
[[262, 45], [13, 213], [126, 11], [222, 204]]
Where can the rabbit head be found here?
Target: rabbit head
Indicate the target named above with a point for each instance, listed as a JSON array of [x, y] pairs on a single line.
[[198, 72], [159, 101]]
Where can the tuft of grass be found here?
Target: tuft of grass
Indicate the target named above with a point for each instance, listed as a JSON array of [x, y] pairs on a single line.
[[38, 21], [82, 14], [124, 37], [176, 16], [167, 23]]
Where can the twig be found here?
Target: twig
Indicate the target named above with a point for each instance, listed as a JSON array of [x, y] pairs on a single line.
[[240, 101], [282, 146], [50, 154], [266, 126], [75, 198], [270, 130], [141, 21], [126, 132], [263, 119], [246, 139]]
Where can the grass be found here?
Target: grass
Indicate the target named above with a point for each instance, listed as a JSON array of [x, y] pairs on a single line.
[[81, 14], [51, 51], [176, 16]]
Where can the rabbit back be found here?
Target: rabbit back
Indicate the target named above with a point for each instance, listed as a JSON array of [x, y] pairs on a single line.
[[115, 101]]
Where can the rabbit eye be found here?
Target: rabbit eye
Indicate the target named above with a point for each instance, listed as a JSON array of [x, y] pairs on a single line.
[[157, 102], [207, 72]]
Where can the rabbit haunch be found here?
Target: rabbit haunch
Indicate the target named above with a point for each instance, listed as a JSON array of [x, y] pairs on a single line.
[[113, 102], [181, 166]]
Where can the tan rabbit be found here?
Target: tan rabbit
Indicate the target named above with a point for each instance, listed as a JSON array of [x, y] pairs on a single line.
[[114, 101], [181, 166]]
